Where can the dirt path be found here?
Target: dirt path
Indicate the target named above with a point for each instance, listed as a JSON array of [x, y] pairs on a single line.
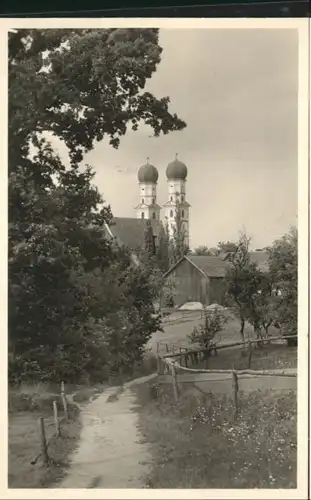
[[110, 454]]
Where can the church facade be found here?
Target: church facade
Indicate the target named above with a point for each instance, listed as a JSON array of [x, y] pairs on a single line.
[[148, 208], [130, 231]]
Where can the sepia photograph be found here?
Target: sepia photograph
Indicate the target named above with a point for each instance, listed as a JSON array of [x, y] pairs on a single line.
[[153, 249]]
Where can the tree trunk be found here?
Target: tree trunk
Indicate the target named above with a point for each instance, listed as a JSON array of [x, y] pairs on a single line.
[[242, 320], [257, 331]]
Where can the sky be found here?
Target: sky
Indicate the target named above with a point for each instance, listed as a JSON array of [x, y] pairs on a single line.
[[237, 90]]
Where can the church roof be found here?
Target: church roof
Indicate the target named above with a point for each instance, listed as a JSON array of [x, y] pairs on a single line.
[[176, 170], [148, 173], [131, 231]]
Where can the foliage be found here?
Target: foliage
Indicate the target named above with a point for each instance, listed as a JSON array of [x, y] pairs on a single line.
[[168, 292], [69, 292], [204, 335], [203, 250], [258, 450], [283, 262]]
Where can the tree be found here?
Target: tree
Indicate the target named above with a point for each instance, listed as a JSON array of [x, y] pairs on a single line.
[[283, 262], [203, 250], [204, 335], [226, 249], [81, 86], [241, 279]]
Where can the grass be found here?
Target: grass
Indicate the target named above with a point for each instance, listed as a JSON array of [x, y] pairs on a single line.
[[176, 330], [26, 404], [269, 357], [196, 443]]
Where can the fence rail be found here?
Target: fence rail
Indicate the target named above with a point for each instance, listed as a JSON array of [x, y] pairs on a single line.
[[170, 371]]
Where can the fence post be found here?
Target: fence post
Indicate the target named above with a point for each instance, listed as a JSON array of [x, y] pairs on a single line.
[[235, 387], [43, 444], [186, 359], [173, 349], [180, 357], [57, 426], [64, 401], [174, 382], [249, 354], [166, 345]]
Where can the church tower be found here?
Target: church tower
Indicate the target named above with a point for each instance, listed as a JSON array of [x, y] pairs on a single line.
[[148, 208], [176, 173]]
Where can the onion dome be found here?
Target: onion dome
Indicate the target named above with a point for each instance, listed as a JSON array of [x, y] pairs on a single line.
[[148, 173], [176, 170]]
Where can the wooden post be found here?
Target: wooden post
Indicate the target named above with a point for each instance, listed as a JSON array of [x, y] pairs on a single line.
[[235, 387], [174, 382], [180, 357], [166, 345], [64, 401], [186, 359], [249, 354], [43, 444], [158, 365], [57, 426], [173, 349]]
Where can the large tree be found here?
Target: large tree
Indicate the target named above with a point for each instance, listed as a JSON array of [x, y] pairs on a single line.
[[81, 86]]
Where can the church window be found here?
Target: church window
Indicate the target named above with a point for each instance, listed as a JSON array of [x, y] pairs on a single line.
[[171, 198], [143, 215], [171, 213], [153, 215], [143, 200], [182, 197], [183, 213], [153, 200]]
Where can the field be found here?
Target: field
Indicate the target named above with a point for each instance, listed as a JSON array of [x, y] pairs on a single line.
[[180, 324], [196, 443]]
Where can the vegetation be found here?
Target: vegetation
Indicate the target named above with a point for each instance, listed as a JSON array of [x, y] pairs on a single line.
[[283, 262], [79, 308], [265, 298], [204, 335], [190, 439]]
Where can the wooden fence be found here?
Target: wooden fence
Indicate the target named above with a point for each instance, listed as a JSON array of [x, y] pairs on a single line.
[[170, 371], [44, 443]]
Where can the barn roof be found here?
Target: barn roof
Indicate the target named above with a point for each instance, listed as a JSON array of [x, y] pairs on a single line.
[[212, 266], [216, 267], [130, 231]]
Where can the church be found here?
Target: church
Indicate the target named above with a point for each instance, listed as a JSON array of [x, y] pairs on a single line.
[[130, 231]]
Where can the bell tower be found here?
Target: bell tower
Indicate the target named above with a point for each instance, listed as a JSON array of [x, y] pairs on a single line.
[[176, 173], [147, 178]]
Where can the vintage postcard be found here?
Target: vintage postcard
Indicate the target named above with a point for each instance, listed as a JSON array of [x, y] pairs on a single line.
[[157, 270]]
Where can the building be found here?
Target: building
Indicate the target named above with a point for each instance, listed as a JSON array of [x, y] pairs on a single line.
[[130, 231], [176, 173], [200, 278]]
